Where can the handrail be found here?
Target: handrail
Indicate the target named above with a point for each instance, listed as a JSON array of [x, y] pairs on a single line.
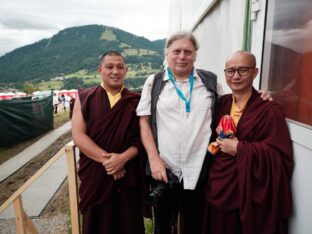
[[72, 186], [32, 179], [22, 221]]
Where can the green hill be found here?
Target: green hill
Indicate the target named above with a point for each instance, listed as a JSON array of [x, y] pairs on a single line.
[[78, 49]]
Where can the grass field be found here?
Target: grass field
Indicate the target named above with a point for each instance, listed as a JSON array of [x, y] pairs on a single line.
[[50, 85], [92, 77]]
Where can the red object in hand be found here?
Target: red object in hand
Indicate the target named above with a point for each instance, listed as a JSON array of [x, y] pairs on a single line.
[[226, 127]]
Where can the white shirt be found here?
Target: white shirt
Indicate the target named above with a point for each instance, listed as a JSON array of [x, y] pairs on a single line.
[[55, 100], [182, 137]]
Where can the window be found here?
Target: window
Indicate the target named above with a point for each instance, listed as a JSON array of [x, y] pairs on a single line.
[[287, 58]]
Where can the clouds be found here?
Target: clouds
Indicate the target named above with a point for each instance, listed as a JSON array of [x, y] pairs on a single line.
[[290, 38], [292, 14], [26, 21], [292, 25]]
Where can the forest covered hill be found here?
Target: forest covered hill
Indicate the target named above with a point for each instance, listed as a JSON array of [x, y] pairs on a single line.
[[77, 49]]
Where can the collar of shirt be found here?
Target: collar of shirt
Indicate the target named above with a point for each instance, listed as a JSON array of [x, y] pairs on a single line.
[[166, 76], [113, 99], [236, 111]]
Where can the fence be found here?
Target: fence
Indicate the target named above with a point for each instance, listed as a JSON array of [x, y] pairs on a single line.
[[24, 119], [23, 222]]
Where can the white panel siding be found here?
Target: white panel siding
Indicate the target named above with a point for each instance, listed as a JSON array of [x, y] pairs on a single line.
[[218, 26]]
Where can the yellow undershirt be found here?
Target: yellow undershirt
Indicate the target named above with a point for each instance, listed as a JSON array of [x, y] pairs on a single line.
[[236, 111], [113, 99]]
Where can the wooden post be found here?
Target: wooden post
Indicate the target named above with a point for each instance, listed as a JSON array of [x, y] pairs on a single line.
[[72, 185], [19, 216], [31, 228]]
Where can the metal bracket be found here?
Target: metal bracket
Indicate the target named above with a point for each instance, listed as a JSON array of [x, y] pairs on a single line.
[[255, 7]]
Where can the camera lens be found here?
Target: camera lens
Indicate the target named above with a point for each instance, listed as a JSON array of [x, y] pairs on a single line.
[[157, 193], [160, 190]]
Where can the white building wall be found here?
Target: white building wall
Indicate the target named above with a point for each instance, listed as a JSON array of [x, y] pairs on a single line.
[[300, 222], [218, 26]]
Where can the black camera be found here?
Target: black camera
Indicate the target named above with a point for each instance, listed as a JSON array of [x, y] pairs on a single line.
[[161, 188]]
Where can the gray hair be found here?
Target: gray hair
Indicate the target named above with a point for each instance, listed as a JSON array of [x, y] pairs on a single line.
[[179, 35]]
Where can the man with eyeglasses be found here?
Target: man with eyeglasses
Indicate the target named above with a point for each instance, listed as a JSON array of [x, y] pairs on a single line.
[[248, 190], [242, 71]]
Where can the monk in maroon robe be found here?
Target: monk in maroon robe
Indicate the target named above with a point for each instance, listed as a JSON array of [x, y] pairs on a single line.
[[248, 188], [106, 130]]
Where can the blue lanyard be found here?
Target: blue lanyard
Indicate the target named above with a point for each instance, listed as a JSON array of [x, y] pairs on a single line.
[[191, 78]]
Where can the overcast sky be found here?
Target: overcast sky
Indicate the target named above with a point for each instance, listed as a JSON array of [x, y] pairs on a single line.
[[24, 22]]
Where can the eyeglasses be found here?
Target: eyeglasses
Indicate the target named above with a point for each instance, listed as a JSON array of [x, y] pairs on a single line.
[[242, 71]]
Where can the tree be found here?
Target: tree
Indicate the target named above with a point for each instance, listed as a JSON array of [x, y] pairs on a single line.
[[28, 87]]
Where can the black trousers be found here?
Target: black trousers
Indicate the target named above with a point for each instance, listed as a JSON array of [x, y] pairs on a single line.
[[188, 203], [55, 109]]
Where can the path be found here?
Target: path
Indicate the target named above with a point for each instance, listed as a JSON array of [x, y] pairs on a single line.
[[36, 197]]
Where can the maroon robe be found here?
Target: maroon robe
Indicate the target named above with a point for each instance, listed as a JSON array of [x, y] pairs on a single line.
[[106, 204], [250, 193]]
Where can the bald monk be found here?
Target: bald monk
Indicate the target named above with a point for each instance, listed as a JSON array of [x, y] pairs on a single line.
[[248, 188], [105, 128]]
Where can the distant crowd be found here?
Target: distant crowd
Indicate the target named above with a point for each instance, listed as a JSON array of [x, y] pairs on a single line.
[[63, 102]]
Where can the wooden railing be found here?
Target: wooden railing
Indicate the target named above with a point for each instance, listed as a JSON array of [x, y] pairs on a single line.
[[23, 222]]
